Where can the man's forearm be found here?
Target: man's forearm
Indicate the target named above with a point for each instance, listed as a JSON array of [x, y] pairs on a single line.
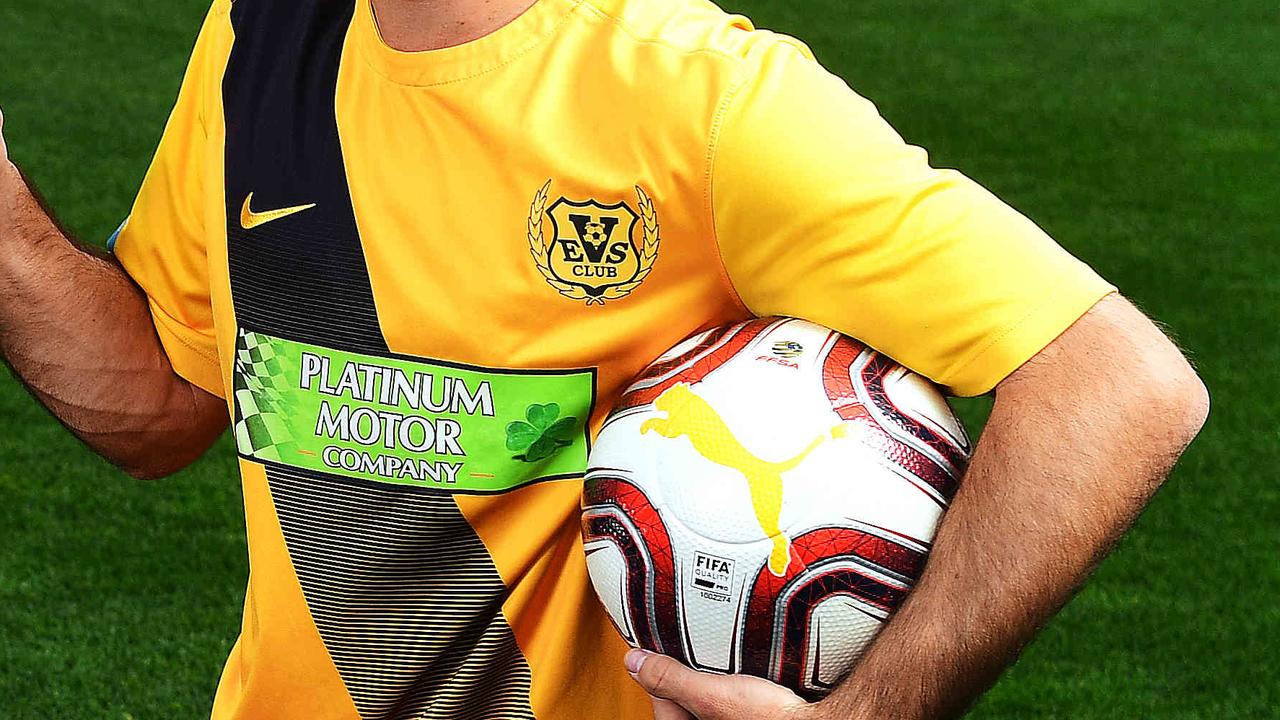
[[78, 332], [1074, 448]]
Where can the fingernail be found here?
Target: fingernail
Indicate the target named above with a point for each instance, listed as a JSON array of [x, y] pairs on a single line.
[[635, 659]]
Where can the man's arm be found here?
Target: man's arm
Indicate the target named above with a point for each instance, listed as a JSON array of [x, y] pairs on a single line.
[[78, 332], [1079, 439]]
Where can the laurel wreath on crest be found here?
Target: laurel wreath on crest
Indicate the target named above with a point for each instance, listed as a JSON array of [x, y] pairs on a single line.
[[541, 253]]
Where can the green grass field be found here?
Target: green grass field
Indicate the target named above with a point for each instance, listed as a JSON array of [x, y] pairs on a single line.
[[1142, 134]]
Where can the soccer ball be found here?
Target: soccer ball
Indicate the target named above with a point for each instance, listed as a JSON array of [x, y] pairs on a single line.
[[763, 498]]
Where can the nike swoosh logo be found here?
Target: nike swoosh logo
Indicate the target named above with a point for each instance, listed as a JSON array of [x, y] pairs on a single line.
[[250, 219]]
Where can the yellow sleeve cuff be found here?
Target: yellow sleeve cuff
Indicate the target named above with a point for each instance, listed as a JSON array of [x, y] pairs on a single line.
[[194, 355], [1024, 339]]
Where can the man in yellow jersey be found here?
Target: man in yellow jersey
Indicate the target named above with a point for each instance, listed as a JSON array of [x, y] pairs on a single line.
[[377, 233]]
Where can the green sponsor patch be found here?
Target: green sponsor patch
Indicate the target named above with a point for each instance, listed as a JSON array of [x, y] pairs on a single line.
[[409, 422]]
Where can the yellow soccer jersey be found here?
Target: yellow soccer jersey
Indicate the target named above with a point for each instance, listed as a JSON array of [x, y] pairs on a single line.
[[421, 279]]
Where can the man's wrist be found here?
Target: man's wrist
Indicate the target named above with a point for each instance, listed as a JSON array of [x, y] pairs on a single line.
[[828, 710]]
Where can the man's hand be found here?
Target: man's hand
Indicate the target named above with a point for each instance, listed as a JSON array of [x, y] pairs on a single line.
[[1079, 439], [679, 693], [79, 333]]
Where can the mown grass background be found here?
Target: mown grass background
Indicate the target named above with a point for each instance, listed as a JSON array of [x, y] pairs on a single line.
[[1144, 134]]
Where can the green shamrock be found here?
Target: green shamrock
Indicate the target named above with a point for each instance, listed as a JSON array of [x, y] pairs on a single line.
[[543, 435]]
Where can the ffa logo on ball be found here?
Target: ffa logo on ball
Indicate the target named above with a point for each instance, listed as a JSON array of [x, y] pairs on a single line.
[[591, 251], [788, 349]]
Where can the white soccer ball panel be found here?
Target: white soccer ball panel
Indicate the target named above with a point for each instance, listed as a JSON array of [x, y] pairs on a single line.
[[608, 571], [918, 398], [838, 635], [711, 596], [845, 483]]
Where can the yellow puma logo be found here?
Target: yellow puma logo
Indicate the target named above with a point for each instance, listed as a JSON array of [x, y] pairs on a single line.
[[691, 415]]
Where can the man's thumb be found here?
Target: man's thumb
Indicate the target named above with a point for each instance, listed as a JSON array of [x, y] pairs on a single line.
[[659, 675]]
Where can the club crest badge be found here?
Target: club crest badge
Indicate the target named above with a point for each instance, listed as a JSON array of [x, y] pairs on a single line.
[[591, 251]]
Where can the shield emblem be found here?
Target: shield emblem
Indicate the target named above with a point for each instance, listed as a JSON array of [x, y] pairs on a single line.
[[591, 251], [593, 245]]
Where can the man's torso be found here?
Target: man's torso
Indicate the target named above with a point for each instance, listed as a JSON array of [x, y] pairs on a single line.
[[529, 214]]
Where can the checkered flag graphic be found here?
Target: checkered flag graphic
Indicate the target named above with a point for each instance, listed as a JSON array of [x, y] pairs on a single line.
[[261, 428]]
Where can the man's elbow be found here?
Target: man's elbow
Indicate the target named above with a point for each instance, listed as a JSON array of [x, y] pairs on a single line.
[[171, 444], [173, 440], [1167, 393], [151, 470], [139, 472], [1120, 391], [154, 464], [1190, 405], [1169, 399], [150, 449]]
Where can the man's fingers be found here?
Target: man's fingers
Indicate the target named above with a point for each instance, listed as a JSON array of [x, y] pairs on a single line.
[[4, 151], [682, 694], [701, 695], [667, 710]]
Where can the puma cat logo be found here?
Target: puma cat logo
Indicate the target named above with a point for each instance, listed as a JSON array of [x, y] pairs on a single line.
[[689, 415]]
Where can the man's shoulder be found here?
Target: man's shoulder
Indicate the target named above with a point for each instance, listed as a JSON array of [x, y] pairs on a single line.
[[691, 32]]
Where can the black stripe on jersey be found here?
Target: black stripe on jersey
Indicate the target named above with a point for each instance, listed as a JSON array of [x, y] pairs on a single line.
[[302, 277], [405, 597], [403, 592]]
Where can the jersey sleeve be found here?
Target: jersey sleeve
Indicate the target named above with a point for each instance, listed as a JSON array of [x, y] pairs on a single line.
[[822, 212], [162, 243]]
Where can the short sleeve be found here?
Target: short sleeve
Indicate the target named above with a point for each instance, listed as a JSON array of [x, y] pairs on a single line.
[[822, 212], [162, 244]]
